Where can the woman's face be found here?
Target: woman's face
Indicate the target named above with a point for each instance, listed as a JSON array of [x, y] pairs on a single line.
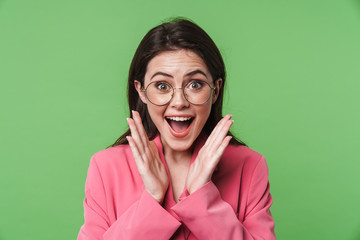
[[178, 122]]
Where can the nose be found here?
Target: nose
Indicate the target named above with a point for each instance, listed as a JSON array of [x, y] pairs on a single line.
[[178, 100]]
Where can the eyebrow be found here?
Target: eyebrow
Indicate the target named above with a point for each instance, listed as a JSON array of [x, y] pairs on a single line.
[[196, 72], [161, 74], [188, 74]]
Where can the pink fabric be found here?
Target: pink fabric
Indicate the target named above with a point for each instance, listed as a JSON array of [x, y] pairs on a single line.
[[234, 205]]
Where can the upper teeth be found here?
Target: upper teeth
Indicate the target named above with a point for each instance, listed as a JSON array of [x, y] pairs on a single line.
[[179, 118]]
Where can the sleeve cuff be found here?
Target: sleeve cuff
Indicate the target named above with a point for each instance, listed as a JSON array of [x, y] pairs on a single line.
[[151, 209], [145, 219], [200, 199]]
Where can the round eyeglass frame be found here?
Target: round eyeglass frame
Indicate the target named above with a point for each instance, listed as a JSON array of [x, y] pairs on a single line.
[[183, 91]]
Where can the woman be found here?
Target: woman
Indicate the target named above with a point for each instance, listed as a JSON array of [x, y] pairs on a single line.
[[177, 173]]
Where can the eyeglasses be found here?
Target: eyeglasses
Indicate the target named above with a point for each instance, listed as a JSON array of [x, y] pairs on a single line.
[[196, 92]]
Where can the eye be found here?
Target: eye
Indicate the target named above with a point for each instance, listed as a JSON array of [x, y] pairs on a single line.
[[162, 86], [195, 85]]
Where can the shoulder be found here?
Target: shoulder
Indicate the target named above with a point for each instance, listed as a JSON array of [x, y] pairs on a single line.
[[112, 151], [243, 154], [112, 157], [242, 157]]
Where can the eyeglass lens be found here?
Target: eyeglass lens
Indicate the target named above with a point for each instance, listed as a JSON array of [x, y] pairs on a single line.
[[161, 93]]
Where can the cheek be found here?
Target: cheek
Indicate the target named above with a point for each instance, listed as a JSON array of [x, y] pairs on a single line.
[[204, 112], [156, 113]]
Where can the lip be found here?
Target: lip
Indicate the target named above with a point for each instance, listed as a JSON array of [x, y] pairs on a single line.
[[179, 115], [182, 134]]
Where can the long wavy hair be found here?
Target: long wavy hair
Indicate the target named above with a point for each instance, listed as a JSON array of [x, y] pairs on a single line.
[[176, 34]]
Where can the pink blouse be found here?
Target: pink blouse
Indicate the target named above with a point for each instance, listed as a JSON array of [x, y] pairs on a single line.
[[235, 204]]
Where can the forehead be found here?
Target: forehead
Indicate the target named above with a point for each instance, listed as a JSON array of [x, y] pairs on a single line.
[[176, 63]]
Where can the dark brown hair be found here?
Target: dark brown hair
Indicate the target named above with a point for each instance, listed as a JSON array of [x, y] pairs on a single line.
[[177, 34]]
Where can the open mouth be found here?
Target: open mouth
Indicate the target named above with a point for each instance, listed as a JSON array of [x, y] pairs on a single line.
[[179, 126]]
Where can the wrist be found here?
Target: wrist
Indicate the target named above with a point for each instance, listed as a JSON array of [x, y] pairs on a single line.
[[157, 198]]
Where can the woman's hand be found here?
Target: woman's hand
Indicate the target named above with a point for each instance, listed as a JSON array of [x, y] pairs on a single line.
[[202, 168], [146, 155]]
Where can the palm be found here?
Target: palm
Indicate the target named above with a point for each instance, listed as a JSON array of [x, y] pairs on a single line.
[[146, 155], [153, 174], [201, 170]]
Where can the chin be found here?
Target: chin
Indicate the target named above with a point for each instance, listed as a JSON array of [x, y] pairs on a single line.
[[181, 145], [174, 143]]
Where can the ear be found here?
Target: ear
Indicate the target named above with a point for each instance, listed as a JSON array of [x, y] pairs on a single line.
[[140, 91], [218, 85]]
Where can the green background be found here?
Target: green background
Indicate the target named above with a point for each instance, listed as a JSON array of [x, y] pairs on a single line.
[[293, 89]]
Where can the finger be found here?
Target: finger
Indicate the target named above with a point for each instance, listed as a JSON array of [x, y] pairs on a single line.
[[135, 135], [218, 128], [222, 134], [153, 147], [140, 127], [221, 124], [220, 150], [214, 131], [223, 130], [135, 152]]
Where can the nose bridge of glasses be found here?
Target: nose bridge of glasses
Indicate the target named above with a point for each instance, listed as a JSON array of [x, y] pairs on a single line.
[[181, 92]]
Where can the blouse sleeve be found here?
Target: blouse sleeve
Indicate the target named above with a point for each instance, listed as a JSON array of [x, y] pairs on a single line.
[[144, 219], [209, 217]]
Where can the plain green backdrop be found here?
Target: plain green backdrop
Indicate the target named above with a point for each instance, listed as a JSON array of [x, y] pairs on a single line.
[[293, 89]]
